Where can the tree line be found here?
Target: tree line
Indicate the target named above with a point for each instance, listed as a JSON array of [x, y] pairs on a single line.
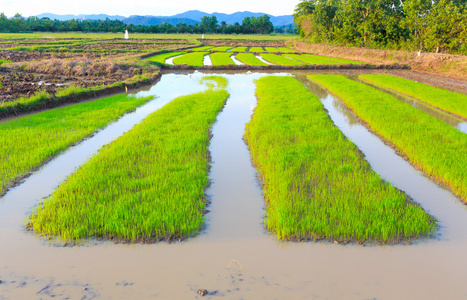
[[249, 25], [419, 25]]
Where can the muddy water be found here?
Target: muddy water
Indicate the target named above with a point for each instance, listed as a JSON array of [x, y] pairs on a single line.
[[267, 268]]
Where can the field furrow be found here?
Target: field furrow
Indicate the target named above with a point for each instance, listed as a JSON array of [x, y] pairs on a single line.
[[249, 59]]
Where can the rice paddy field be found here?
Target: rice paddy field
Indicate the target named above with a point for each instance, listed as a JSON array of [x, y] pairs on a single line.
[[452, 102], [280, 60], [152, 178], [29, 141], [256, 49], [222, 58], [247, 184], [193, 59], [161, 58], [316, 183]]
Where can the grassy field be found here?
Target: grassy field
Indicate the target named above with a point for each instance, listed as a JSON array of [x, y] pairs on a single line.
[[239, 49], [108, 36], [27, 142], [162, 57], [455, 103], [193, 59], [148, 184], [438, 149], [249, 59], [221, 48], [222, 58], [271, 49], [256, 49], [311, 60], [280, 60], [316, 183], [203, 48], [284, 49]]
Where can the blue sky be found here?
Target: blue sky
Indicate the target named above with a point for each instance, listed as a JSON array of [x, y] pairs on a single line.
[[143, 7]]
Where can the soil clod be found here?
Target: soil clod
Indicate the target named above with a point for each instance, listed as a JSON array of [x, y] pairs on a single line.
[[202, 292]]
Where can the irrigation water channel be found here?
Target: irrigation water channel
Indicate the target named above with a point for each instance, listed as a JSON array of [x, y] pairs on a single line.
[[34, 268]]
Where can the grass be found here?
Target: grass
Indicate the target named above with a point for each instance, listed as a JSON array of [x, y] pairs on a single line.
[[221, 48], [109, 36], [311, 60], [29, 141], [436, 148], [452, 102], [193, 59], [256, 49], [203, 48], [271, 49], [284, 49], [333, 59], [147, 184], [281, 60], [222, 58], [317, 183], [239, 49], [249, 59], [162, 57]]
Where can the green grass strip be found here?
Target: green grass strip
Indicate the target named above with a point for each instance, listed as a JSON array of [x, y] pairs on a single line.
[[249, 59], [221, 48], [203, 48], [239, 49], [311, 60], [317, 183], [283, 49], [338, 60], [147, 184], [162, 57], [452, 102], [256, 49], [281, 60], [222, 58], [29, 141], [193, 59], [433, 146], [271, 49]]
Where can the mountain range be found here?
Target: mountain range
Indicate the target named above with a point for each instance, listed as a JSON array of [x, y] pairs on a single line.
[[189, 17]]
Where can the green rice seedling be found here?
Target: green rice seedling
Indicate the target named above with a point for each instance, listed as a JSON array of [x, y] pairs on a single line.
[[146, 185], [222, 58], [29, 141], [221, 48], [249, 59], [271, 49], [256, 49], [338, 60], [283, 49], [193, 59], [431, 145], [162, 57], [280, 60], [203, 48], [239, 49], [311, 60], [452, 102], [316, 183]]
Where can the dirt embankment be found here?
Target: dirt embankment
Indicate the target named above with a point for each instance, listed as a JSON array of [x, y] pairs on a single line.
[[450, 70], [240, 43]]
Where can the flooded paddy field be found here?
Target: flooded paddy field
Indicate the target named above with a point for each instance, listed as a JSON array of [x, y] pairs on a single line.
[[233, 257]]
